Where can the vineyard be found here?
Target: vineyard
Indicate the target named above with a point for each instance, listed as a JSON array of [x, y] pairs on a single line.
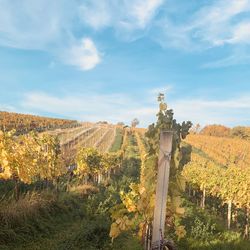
[[25, 123], [70, 185], [219, 169]]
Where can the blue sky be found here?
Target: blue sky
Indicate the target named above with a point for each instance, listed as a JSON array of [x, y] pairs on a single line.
[[107, 60]]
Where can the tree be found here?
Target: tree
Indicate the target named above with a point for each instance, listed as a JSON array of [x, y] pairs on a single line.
[[195, 129], [241, 132], [134, 123], [216, 130]]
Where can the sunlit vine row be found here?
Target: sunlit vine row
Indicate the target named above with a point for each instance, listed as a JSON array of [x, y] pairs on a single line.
[[23, 123], [30, 157], [225, 151], [143, 154], [231, 183]]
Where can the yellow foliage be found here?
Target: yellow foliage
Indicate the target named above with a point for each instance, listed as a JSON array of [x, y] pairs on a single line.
[[28, 156], [114, 231], [180, 232]]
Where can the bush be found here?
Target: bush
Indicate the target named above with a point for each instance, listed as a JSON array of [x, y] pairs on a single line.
[[204, 231]]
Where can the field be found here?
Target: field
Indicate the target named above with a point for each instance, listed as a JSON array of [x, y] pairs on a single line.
[[92, 186]]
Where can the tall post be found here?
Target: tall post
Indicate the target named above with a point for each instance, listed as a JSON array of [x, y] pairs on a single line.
[[166, 138], [229, 214]]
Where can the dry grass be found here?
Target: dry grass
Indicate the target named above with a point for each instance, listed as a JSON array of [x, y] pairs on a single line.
[[26, 207], [22, 216]]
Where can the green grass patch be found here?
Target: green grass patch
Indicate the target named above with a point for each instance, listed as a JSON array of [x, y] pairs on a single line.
[[118, 141], [206, 231], [132, 150]]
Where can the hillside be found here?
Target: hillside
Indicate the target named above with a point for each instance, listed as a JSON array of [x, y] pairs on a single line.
[[92, 186], [24, 123]]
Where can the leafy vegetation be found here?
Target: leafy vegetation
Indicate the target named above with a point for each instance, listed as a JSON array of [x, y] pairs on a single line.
[[240, 132], [25, 123], [94, 187]]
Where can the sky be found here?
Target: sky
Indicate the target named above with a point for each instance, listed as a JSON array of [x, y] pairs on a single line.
[[94, 60]]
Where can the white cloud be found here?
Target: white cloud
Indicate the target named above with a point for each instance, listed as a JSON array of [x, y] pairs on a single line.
[[51, 26], [241, 33], [48, 26], [90, 107], [217, 24], [143, 11], [123, 16], [31, 24], [8, 108], [213, 25], [54, 26], [96, 14], [83, 55], [230, 112]]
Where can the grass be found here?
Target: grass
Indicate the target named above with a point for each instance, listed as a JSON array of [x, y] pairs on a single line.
[[118, 141], [206, 231], [78, 219], [132, 150], [217, 244], [33, 215], [48, 221]]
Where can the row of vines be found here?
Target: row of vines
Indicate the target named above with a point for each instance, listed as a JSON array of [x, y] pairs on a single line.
[[23, 123], [219, 170], [34, 157]]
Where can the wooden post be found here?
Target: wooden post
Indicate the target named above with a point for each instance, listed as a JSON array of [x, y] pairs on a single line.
[[203, 198], [162, 188], [229, 214]]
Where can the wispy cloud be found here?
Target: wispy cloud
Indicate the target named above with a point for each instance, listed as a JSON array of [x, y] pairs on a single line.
[[142, 11], [221, 22], [96, 14], [58, 27], [51, 26], [48, 26], [31, 24], [213, 25], [228, 111], [119, 14], [236, 58], [8, 108], [117, 107], [240, 33], [90, 106]]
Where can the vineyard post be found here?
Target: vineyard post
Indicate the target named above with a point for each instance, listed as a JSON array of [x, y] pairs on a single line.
[[162, 188]]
